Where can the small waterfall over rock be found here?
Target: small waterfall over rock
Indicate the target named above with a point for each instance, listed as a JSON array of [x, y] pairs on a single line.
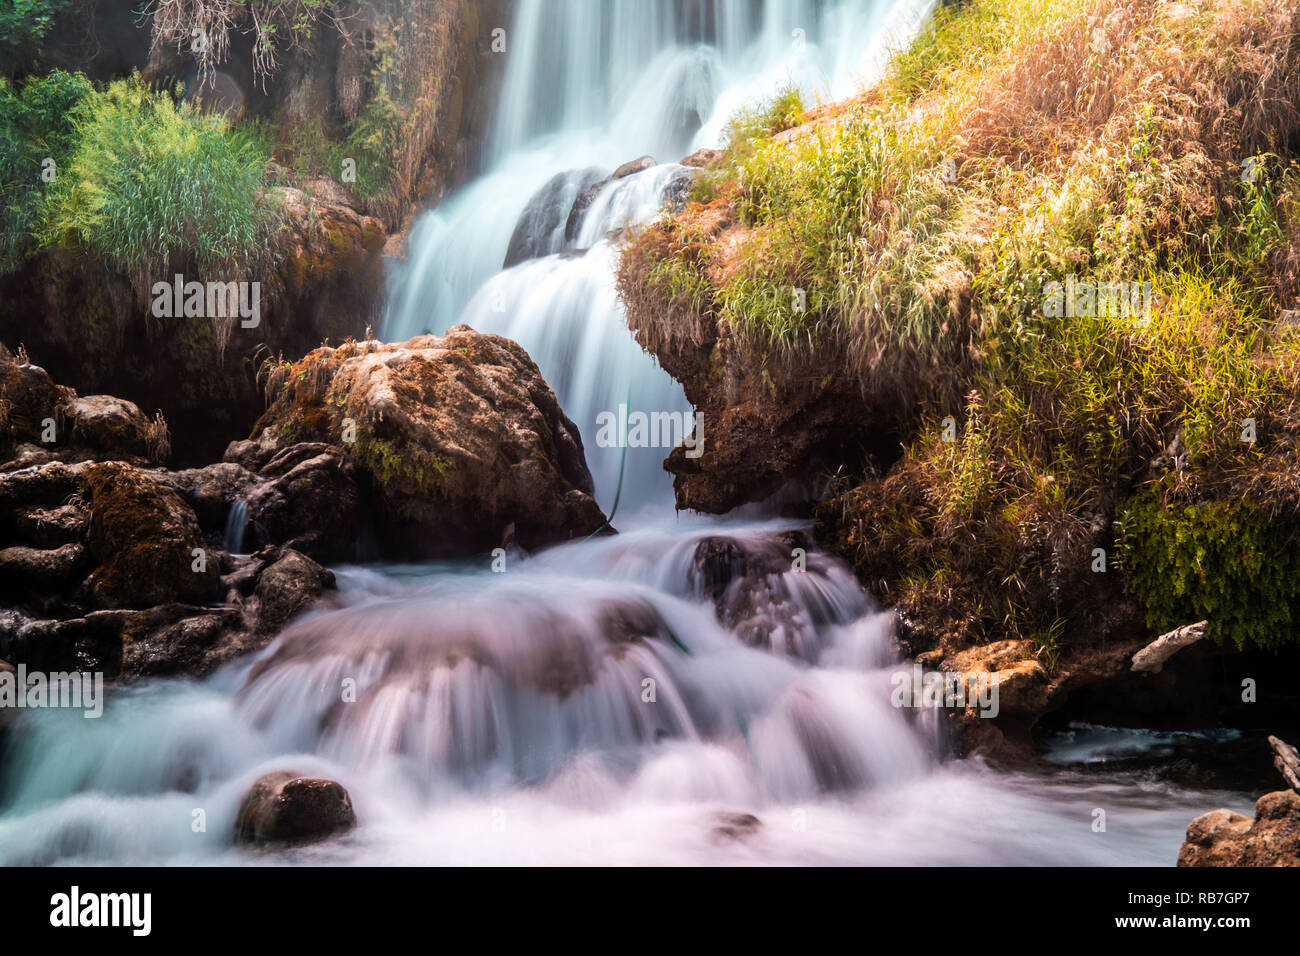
[[236, 524]]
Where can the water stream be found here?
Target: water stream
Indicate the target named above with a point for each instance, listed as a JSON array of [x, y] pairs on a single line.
[[588, 705]]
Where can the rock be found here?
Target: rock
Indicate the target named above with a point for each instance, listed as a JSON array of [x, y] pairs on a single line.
[[1287, 761], [631, 167], [25, 569], [288, 808], [108, 427], [143, 537], [195, 644], [331, 263], [703, 158], [1225, 838], [51, 527], [314, 507], [751, 583], [456, 438], [1152, 657], [46, 485], [287, 587], [89, 643], [733, 827], [211, 490], [28, 397], [541, 230], [1023, 686]]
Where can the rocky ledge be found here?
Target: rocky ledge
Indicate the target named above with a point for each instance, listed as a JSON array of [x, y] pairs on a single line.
[[440, 446]]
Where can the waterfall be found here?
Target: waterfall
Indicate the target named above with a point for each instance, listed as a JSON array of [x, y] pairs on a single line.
[[588, 86], [236, 524], [592, 703], [684, 692]]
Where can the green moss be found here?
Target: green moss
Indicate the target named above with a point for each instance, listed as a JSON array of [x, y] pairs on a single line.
[[416, 473], [1223, 562]]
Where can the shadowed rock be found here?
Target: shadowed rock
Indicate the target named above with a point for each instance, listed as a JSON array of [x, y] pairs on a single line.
[[287, 808]]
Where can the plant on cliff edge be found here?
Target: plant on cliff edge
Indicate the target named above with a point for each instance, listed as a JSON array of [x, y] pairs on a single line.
[[154, 186]]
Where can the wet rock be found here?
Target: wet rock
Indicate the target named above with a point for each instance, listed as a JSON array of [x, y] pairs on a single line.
[[143, 537], [573, 227], [751, 583], [194, 645], [287, 808], [633, 166], [89, 643], [211, 490], [538, 232], [314, 507], [287, 587], [1225, 838], [734, 827]]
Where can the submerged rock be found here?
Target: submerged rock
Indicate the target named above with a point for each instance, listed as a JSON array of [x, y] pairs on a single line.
[[287, 808]]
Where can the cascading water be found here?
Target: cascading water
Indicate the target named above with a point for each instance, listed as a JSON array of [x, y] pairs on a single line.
[[621, 700], [586, 706], [588, 86], [236, 524]]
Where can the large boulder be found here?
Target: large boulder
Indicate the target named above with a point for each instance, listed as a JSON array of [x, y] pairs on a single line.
[[144, 538], [1226, 838], [454, 442], [41, 421], [287, 808]]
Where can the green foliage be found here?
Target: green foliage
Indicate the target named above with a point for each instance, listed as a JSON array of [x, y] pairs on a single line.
[[151, 186], [35, 126], [23, 25], [1219, 561], [376, 135]]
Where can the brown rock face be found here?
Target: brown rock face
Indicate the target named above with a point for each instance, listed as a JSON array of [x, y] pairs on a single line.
[[143, 536], [451, 439], [286, 807], [1224, 838]]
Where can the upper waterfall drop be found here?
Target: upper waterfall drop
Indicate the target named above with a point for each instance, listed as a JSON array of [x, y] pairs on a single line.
[[588, 86]]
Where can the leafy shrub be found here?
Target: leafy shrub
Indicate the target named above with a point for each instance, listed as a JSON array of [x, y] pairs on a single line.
[[23, 25], [35, 126], [1220, 561]]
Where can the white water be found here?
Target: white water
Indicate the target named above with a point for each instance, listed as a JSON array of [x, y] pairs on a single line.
[[500, 718], [596, 83]]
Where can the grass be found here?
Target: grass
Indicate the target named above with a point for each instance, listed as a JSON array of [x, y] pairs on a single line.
[[155, 187], [1012, 145]]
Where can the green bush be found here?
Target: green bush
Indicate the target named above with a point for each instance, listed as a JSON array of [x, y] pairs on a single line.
[[35, 126], [23, 25], [153, 186], [1223, 562]]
